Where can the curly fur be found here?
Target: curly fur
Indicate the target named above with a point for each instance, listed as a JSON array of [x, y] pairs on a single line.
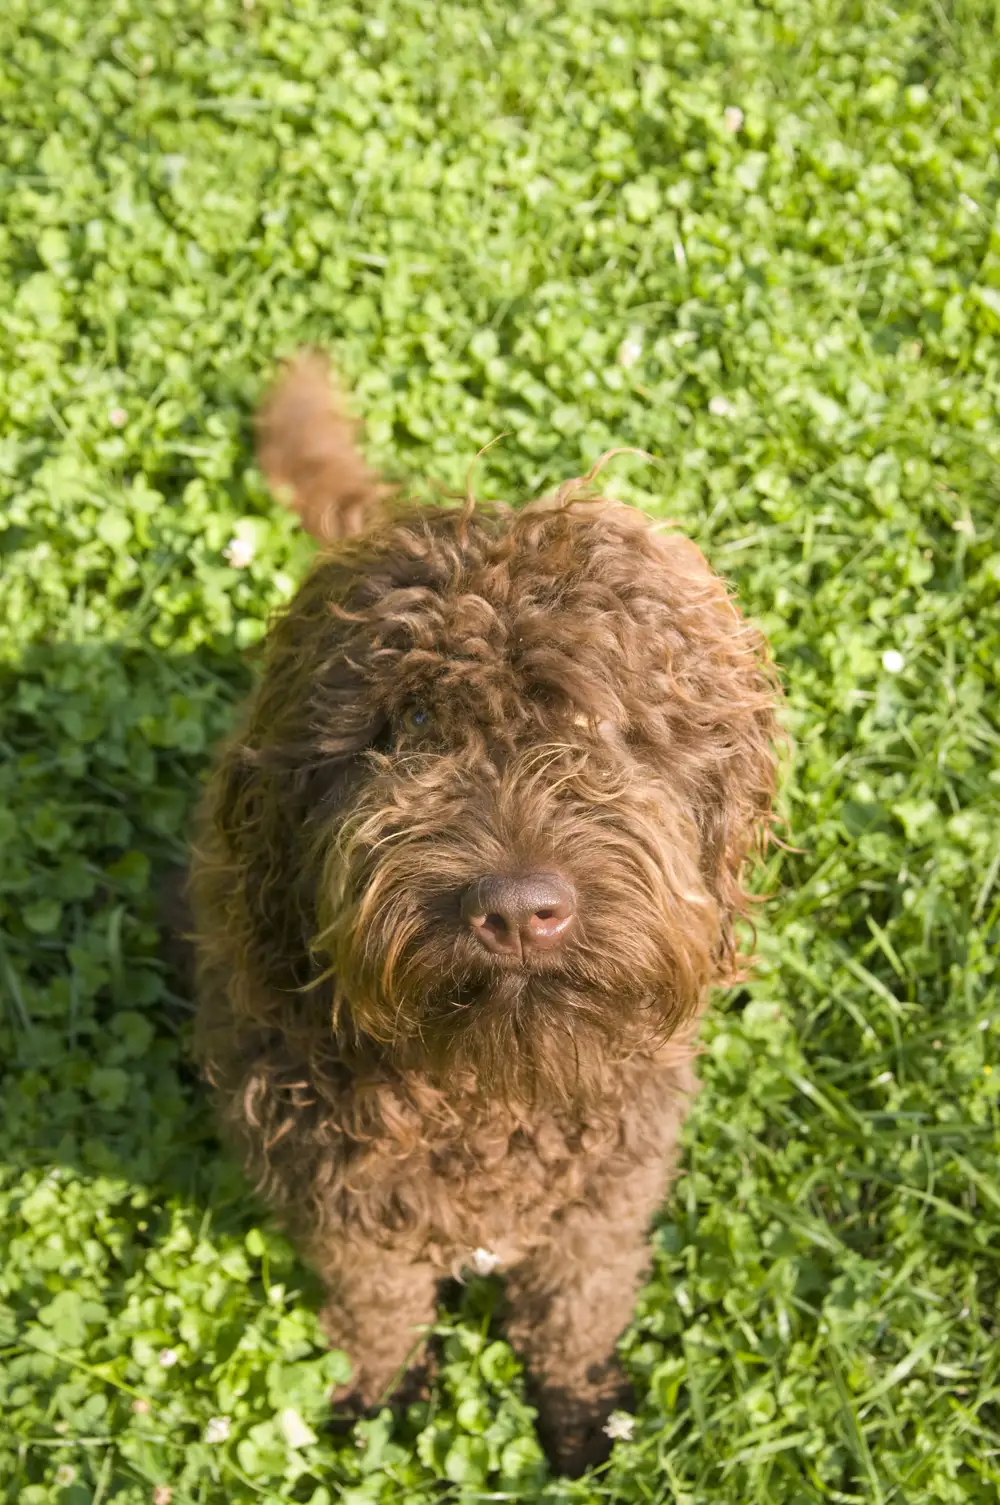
[[454, 692]]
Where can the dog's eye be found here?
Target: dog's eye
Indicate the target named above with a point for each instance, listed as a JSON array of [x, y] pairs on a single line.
[[415, 717]]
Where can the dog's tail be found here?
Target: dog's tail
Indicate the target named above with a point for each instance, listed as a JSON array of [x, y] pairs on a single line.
[[306, 449]]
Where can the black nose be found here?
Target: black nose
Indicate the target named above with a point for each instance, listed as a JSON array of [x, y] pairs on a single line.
[[510, 916]]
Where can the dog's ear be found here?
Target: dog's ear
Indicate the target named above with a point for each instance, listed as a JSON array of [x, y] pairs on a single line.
[[735, 819], [723, 733], [738, 787], [306, 447], [264, 821]]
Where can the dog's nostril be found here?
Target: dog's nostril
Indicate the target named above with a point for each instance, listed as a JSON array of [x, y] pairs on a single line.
[[511, 915]]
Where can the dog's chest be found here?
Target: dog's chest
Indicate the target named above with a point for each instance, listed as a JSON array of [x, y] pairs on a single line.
[[499, 1189], [484, 1189]]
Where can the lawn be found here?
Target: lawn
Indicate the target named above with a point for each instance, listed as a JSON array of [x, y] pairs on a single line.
[[759, 241]]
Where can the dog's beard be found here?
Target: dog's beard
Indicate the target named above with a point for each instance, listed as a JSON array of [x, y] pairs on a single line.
[[408, 977]]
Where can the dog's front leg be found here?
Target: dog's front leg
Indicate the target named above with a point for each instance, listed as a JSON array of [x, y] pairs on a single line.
[[569, 1303], [380, 1305]]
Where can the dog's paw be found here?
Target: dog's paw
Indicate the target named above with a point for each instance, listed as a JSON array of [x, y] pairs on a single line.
[[573, 1428]]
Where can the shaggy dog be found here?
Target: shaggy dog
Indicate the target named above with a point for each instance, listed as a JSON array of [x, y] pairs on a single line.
[[463, 880]]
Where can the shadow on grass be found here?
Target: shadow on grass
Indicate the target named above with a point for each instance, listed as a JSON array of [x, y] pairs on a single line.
[[103, 748]]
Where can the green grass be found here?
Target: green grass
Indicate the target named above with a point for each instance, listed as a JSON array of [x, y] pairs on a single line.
[[528, 217]]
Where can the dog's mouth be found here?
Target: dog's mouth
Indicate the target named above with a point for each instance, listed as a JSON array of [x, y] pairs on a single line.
[[528, 1031], [503, 982], [427, 964], [483, 969], [539, 1024], [461, 985]]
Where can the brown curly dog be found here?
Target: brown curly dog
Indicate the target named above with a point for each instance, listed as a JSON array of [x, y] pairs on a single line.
[[463, 880]]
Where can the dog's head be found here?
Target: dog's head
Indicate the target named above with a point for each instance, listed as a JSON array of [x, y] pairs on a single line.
[[492, 804]]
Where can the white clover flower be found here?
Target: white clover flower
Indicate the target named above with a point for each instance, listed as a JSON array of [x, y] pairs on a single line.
[[65, 1474], [162, 1494], [484, 1261], [217, 1429], [294, 1430], [629, 351], [732, 119], [168, 1357], [172, 165], [721, 407], [117, 417], [140, 1406], [619, 1426], [983, 1024], [968, 203], [882, 1078], [893, 661], [239, 551]]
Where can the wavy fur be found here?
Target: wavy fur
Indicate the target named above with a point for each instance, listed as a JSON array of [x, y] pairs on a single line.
[[454, 692]]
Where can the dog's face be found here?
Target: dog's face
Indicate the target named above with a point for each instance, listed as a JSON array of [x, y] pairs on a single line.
[[497, 788]]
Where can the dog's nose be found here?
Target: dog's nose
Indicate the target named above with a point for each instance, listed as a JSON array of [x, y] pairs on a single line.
[[510, 916]]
